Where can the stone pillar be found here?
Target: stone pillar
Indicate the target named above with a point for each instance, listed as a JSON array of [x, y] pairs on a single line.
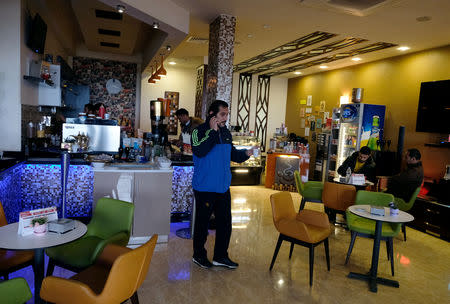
[[219, 79]]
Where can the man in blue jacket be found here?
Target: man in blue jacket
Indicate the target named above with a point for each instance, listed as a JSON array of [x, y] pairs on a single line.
[[212, 152]]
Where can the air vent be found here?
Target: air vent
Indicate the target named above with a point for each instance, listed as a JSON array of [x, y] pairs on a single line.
[[351, 7], [109, 32], [108, 15], [197, 40], [110, 44]]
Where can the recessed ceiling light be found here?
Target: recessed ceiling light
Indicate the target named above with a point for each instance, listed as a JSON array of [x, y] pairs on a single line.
[[403, 48], [356, 59], [172, 63], [120, 8], [323, 67], [266, 26], [249, 36], [297, 73]]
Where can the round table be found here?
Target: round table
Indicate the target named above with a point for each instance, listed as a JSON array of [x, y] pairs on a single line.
[[364, 211], [10, 239]]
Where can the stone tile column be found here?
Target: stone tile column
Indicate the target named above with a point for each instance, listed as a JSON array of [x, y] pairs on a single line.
[[219, 79]]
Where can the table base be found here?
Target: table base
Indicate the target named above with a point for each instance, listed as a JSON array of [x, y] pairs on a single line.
[[373, 281]]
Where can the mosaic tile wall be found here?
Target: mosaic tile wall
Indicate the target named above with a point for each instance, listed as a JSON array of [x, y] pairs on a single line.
[[182, 193], [41, 188], [96, 72], [9, 188], [220, 60], [33, 186]]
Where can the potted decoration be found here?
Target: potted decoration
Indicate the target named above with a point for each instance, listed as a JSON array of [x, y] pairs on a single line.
[[39, 225]]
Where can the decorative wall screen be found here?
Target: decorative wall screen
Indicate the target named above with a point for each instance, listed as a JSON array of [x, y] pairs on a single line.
[[244, 93], [173, 100], [262, 108]]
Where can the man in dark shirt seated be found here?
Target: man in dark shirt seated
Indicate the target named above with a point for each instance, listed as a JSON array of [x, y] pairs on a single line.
[[406, 182], [361, 163]]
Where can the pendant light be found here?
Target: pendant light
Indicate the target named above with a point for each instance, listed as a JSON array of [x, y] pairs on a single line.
[[155, 76], [162, 71], [150, 80]]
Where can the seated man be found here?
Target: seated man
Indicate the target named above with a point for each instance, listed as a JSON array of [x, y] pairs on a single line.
[[406, 182], [188, 124], [360, 163]]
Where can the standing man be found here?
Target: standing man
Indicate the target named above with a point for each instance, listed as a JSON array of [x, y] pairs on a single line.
[[213, 149], [188, 124], [360, 162], [405, 183]]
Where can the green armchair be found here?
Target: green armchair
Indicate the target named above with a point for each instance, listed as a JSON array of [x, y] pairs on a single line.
[[310, 191], [14, 291], [110, 224], [360, 226], [405, 206]]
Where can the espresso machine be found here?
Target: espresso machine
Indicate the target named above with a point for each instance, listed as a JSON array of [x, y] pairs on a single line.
[[159, 121]]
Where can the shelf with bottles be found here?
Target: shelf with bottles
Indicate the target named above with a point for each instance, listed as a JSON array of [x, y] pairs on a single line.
[[244, 143]]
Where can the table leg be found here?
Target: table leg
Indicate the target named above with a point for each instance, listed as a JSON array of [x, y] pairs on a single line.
[[38, 273], [372, 275]]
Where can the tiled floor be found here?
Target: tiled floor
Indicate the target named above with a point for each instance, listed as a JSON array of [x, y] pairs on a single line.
[[422, 266]]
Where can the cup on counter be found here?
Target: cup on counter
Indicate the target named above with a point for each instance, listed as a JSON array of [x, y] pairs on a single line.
[[107, 116], [255, 152]]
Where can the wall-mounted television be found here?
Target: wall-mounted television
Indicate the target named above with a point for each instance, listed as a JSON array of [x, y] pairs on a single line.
[[36, 35], [433, 114]]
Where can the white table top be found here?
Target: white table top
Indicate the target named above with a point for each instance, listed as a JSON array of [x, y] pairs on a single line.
[[10, 239], [367, 183], [364, 211]]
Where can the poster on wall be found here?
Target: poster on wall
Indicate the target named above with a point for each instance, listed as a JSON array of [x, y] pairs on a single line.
[[302, 112], [302, 101], [308, 110], [326, 115], [322, 106], [309, 100], [173, 100], [319, 123], [306, 131], [302, 123]]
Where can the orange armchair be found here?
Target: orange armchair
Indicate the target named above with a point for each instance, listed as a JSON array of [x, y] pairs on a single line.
[[307, 228], [115, 277], [337, 198], [12, 260]]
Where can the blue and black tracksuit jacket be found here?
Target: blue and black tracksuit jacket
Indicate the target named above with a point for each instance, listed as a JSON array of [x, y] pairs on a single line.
[[213, 151]]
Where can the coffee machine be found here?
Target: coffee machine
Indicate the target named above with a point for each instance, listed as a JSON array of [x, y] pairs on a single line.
[[159, 121]]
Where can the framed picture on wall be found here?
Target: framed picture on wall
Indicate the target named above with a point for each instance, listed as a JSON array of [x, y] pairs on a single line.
[[173, 100]]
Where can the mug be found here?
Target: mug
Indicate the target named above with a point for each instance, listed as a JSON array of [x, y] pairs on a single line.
[[256, 152]]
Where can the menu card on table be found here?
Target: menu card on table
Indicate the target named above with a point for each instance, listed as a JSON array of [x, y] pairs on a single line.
[[357, 179], [26, 218]]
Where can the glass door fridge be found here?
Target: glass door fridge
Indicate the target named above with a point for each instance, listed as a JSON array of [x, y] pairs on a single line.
[[361, 125]]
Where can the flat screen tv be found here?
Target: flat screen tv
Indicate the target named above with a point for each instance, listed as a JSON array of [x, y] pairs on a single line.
[[433, 114], [37, 34]]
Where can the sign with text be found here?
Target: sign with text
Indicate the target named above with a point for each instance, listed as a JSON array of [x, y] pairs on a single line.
[[26, 219]]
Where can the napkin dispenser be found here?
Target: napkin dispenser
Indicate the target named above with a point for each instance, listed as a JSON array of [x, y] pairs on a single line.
[[376, 210], [61, 225]]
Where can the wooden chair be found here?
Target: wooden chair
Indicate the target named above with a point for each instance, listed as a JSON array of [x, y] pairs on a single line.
[[337, 198], [13, 260], [307, 228], [114, 278]]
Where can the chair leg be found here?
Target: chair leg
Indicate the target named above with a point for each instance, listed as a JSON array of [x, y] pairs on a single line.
[[311, 264], [277, 248], [388, 251], [50, 267], [404, 231], [302, 204], [391, 253], [327, 253], [350, 248], [134, 298], [290, 251]]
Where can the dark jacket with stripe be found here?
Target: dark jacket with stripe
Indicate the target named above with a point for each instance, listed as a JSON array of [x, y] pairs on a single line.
[[212, 152]]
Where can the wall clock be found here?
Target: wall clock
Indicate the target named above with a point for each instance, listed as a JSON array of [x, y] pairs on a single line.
[[113, 86]]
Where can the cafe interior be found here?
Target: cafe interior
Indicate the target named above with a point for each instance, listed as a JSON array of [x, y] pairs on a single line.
[[308, 83]]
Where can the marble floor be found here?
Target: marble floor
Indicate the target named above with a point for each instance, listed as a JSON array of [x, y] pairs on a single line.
[[422, 265]]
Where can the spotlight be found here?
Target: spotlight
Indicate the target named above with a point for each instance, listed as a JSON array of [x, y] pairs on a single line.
[[155, 25], [120, 8], [168, 48]]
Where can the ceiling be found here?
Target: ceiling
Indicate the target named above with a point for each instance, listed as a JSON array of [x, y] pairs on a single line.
[[262, 25]]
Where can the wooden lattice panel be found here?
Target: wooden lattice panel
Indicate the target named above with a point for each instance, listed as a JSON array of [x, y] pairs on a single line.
[[244, 94], [262, 108]]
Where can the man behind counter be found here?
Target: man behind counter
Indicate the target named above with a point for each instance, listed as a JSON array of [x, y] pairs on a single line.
[[360, 162], [188, 124]]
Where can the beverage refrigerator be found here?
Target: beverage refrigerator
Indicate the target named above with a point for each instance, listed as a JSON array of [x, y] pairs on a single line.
[[361, 125]]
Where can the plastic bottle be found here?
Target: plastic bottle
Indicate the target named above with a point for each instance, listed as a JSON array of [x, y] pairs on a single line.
[[374, 133], [348, 174], [101, 112]]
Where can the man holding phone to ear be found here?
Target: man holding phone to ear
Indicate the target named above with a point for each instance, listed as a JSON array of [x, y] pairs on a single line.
[[212, 152]]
